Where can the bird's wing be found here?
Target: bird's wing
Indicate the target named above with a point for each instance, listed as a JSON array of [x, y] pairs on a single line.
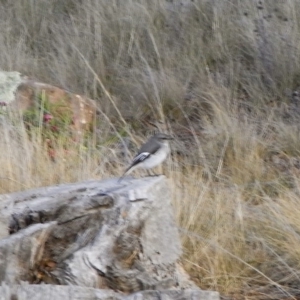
[[139, 158], [150, 147]]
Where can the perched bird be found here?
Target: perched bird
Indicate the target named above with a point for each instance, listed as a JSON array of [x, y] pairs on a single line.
[[151, 154]]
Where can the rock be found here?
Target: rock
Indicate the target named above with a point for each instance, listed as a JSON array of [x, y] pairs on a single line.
[[24, 95], [54, 292], [96, 234], [9, 82], [19, 253], [174, 295], [59, 292]]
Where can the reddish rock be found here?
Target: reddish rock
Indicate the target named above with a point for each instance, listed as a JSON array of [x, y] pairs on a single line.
[[80, 110]]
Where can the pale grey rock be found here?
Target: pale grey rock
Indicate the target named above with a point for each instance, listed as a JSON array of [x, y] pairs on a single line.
[[9, 81], [174, 295], [95, 234], [54, 292], [20, 252], [60, 292]]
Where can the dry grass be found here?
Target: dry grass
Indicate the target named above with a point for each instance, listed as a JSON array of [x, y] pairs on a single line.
[[220, 74]]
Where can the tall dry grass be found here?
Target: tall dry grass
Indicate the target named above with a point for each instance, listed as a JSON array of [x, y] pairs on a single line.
[[220, 75]]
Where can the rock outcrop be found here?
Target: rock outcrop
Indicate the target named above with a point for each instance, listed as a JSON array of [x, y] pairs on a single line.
[[60, 292], [106, 240], [28, 96]]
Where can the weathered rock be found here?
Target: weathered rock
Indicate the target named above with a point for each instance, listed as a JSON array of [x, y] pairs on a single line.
[[98, 234], [9, 82], [59, 292], [54, 292], [19, 93], [174, 295], [20, 252]]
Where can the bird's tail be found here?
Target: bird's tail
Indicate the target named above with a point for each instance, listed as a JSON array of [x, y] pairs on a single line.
[[127, 171]]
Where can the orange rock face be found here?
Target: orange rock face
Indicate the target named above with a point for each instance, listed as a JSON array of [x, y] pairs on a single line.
[[56, 103]]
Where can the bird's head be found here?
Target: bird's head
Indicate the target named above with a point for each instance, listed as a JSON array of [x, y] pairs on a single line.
[[162, 137]]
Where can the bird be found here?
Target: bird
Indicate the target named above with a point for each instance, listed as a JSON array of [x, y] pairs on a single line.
[[151, 154]]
